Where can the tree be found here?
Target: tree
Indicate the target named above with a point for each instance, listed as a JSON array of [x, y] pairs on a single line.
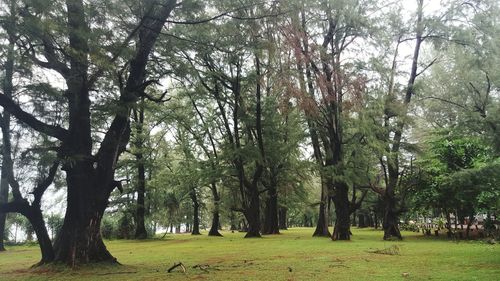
[[89, 170]]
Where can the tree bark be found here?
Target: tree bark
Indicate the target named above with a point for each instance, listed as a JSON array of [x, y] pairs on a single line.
[[271, 225], [196, 213], [252, 214], [4, 195], [214, 228], [391, 220], [140, 228], [342, 228], [322, 223]]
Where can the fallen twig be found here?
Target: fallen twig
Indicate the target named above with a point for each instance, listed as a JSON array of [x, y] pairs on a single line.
[[392, 250], [177, 265]]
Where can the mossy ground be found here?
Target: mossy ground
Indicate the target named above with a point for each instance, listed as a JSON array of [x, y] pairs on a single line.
[[293, 255]]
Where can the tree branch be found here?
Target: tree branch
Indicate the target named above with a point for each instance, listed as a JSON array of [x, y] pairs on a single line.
[[30, 120]]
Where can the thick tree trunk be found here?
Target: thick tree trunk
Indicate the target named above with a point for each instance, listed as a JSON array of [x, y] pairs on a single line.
[[79, 240], [391, 221], [214, 228], [342, 228], [252, 214], [196, 213], [271, 212], [282, 218], [322, 224]]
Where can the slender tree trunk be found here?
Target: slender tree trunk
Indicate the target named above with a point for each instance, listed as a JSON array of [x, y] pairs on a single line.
[[214, 228], [342, 228], [361, 221], [232, 218], [196, 213], [8, 90], [140, 228], [282, 218], [4, 195], [38, 223]]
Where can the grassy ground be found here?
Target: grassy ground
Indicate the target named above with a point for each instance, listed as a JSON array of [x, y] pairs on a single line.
[[293, 255]]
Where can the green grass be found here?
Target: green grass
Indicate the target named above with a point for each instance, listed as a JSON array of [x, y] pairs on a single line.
[[293, 255]]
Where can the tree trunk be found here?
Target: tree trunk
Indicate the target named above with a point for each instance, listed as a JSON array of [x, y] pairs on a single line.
[[232, 218], [4, 195], [214, 228], [79, 240], [361, 221], [391, 222], [282, 218], [140, 228], [252, 214], [271, 211], [196, 213], [36, 219], [322, 224], [342, 228]]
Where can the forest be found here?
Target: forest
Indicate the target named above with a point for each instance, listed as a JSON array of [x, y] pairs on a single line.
[[144, 120]]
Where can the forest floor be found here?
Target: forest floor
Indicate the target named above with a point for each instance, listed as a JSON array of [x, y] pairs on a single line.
[[293, 255]]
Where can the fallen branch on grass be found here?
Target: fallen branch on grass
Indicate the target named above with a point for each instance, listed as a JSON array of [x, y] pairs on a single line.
[[205, 267], [183, 268], [392, 250]]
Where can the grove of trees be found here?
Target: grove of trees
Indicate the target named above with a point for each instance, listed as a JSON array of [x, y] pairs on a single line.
[[253, 116]]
